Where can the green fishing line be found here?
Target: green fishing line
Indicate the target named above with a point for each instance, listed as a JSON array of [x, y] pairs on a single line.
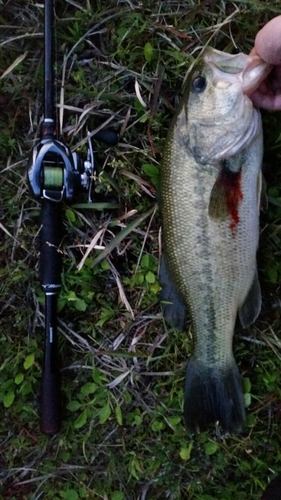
[[53, 177]]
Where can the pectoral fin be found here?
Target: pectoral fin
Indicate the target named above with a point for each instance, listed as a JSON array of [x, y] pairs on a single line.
[[217, 207], [173, 306], [261, 193], [250, 310]]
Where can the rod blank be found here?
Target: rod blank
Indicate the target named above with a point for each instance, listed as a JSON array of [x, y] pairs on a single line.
[[49, 76]]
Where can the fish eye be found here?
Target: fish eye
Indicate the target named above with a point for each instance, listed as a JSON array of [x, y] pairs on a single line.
[[199, 84]]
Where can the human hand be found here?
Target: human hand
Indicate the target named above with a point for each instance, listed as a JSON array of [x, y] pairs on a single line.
[[268, 47]]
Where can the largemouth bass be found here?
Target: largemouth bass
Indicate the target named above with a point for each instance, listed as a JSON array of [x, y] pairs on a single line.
[[209, 199]]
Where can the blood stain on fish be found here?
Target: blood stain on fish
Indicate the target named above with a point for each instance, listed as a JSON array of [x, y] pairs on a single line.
[[231, 184]]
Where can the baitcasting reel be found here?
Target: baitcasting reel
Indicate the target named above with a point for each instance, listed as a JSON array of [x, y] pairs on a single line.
[[56, 173]]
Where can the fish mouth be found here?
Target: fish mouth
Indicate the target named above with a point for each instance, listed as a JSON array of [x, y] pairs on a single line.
[[247, 71]]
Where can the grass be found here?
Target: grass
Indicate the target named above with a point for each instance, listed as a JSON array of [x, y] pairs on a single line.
[[122, 435]]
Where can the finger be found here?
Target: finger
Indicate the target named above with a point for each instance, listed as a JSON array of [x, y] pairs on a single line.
[[266, 101], [268, 41], [253, 52]]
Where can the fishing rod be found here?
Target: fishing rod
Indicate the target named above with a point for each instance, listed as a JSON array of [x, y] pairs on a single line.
[[54, 175]]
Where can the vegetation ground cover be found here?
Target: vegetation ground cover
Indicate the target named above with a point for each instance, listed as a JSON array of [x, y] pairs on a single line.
[[121, 63]]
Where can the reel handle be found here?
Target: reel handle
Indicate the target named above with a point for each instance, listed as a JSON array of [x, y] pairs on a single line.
[[108, 136]]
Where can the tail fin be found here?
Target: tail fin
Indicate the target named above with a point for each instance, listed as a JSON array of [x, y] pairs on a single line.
[[213, 395]]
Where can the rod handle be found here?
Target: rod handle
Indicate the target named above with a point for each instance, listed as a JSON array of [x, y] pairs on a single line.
[[50, 404]]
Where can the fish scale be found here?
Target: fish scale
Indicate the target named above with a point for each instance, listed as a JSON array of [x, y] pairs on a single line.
[[210, 245], [226, 271]]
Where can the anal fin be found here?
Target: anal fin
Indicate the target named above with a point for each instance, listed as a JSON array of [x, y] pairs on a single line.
[[173, 306], [250, 310]]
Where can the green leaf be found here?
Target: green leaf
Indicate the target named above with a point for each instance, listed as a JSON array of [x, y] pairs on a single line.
[[29, 360], [104, 317], [139, 279], [134, 467], [117, 495], [174, 420], [122, 32], [95, 206], [137, 419], [151, 170], [9, 399], [71, 296], [145, 261], [88, 388], [118, 414], [81, 420], [148, 51], [246, 384], [96, 375], [61, 303], [144, 118], [247, 399], [80, 305], [120, 237], [186, 451], [251, 419], [157, 425], [150, 277], [19, 378], [70, 495], [155, 289], [272, 274], [73, 405], [138, 106], [210, 448], [104, 413], [71, 217], [105, 265], [65, 455], [273, 192], [25, 388]]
